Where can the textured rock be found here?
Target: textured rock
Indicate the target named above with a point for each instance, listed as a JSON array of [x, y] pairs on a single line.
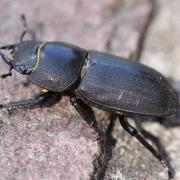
[[162, 51]]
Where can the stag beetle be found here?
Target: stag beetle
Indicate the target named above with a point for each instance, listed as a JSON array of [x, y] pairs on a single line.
[[91, 78]]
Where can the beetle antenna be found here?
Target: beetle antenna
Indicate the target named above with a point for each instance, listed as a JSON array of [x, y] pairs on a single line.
[[26, 30], [7, 74], [9, 62]]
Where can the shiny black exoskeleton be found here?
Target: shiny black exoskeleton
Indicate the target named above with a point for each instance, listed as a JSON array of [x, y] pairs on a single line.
[[92, 78]]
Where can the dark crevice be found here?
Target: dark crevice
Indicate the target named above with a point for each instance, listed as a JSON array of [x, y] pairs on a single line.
[[142, 38], [109, 41], [140, 44], [114, 12]]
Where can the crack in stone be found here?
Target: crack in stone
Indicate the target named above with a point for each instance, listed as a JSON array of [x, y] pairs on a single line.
[[142, 38]]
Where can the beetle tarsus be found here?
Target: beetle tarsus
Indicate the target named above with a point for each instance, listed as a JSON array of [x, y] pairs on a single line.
[[169, 170], [7, 74], [131, 130]]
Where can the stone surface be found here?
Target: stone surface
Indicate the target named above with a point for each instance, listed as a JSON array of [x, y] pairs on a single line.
[[48, 143], [162, 51], [55, 143]]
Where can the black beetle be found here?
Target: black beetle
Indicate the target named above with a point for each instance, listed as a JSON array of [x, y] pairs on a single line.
[[91, 78]]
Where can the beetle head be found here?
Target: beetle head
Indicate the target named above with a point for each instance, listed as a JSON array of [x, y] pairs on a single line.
[[23, 56]]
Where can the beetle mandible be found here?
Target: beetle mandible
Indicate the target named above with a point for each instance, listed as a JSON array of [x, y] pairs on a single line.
[[91, 78]]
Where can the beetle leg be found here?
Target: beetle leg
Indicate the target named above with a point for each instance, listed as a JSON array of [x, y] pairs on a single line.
[[27, 104], [157, 143], [26, 30], [131, 130], [7, 74], [85, 111]]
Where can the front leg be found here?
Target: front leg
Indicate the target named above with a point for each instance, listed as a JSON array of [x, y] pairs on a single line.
[[29, 103]]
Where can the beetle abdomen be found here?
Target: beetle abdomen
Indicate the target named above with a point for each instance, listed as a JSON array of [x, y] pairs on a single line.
[[124, 85]]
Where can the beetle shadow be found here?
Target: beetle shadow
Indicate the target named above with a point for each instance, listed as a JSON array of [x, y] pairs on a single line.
[[54, 98], [168, 121], [172, 120]]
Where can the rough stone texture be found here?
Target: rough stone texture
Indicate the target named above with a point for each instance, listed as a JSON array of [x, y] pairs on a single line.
[[48, 143], [162, 51], [55, 143]]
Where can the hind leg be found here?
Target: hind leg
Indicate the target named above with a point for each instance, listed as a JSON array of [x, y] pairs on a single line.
[[131, 130]]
